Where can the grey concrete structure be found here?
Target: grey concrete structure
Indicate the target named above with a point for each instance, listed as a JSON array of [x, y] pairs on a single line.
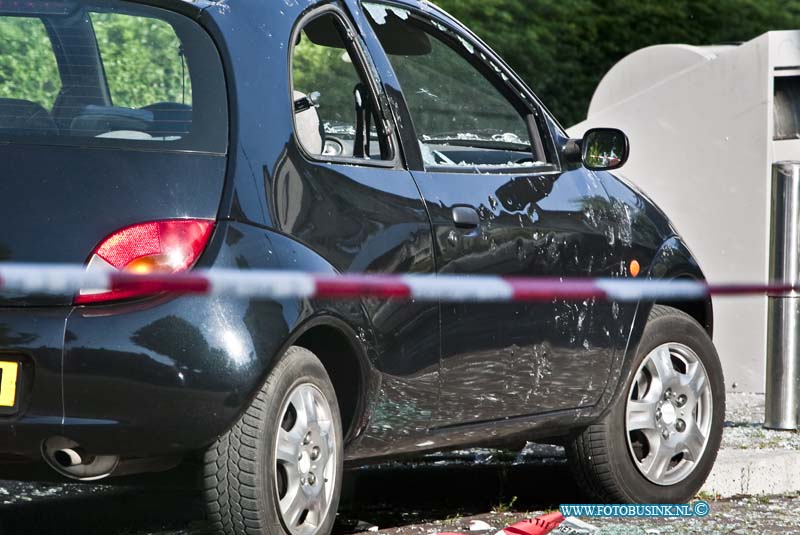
[[706, 125]]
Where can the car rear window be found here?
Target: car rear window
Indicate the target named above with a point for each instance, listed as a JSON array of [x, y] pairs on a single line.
[[109, 73]]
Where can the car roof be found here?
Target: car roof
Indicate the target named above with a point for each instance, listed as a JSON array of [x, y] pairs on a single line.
[[200, 5], [227, 5], [423, 5]]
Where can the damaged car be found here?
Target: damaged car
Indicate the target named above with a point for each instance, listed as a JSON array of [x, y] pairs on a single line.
[[158, 136]]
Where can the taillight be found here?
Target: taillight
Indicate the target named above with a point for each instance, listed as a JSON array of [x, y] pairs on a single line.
[[168, 246]]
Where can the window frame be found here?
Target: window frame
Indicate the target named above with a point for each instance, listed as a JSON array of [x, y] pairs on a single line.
[[491, 67], [194, 143], [783, 75], [365, 69]]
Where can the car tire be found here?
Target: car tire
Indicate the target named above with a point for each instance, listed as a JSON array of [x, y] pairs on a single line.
[[278, 471], [626, 457]]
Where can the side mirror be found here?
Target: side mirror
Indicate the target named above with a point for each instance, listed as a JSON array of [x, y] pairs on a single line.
[[601, 149], [605, 149]]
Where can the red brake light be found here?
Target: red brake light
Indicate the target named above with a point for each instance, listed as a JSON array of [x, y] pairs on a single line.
[[168, 246]]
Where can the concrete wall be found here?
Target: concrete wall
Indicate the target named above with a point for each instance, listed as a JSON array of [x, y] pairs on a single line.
[[700, 123]]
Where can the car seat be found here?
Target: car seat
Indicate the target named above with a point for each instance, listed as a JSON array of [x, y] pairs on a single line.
[[308, 126], [25, 118]]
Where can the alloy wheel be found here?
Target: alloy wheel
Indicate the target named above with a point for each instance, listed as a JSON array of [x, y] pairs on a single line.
[[305, 455], [668, 415]]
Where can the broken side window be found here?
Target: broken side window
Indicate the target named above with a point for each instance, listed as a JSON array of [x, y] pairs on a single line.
[[336, 115], [461, 106]]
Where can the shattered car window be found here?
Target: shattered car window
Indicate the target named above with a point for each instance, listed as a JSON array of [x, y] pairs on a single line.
[[335, 115], [461, 117]]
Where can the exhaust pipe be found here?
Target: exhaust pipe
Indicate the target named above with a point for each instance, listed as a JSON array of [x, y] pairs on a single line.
[[66, 457], [69, 457], [70, 460]]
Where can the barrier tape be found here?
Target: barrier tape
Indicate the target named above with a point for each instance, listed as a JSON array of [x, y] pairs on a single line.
[[32, 279]]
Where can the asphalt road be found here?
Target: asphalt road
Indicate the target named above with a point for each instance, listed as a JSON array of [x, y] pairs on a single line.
[[440, 495]]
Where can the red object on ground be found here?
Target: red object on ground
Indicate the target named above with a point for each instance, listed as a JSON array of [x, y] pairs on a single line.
[[535, 526], [541, 525]]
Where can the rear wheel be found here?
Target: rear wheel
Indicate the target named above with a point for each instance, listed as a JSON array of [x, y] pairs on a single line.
[[279, 469], [660, 441]]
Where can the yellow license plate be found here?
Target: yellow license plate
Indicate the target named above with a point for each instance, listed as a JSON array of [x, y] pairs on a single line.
[[8, 383]]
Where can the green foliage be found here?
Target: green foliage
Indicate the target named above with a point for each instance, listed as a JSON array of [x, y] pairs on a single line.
[[330, 72], [505, 507], [141, 57], [28, 68], [142, 60], [447, 95], [562, 48]]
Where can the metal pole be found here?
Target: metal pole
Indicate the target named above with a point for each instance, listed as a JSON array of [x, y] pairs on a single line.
[[783, 319]]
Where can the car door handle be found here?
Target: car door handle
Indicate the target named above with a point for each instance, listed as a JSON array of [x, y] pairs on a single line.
[[466, 217]]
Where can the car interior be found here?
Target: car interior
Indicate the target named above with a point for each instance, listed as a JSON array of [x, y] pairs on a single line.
[[459, 104], [334, 107]]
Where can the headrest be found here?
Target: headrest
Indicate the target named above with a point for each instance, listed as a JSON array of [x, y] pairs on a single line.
[[170, 119], [307, 126]]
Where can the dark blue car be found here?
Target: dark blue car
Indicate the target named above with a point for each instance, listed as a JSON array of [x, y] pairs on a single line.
[[155, 136]]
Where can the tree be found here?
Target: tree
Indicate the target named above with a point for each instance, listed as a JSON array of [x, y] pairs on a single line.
[[562, 48]]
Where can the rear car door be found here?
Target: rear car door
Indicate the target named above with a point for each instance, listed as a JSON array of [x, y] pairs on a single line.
[[500, 204]]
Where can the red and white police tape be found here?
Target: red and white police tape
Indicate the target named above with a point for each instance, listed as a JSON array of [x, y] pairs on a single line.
[[30, 279]]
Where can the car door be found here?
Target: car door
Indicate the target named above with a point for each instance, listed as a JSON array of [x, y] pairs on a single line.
[[341, 189], [500, 204]]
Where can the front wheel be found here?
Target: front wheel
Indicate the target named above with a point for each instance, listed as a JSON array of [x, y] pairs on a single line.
[[278, 471], [659, 442]]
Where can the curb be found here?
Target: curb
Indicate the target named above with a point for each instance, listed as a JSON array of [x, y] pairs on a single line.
[[754, 472]]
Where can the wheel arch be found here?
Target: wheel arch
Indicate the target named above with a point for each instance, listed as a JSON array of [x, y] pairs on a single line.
[[674, 261], [336, 345], [332, 330], [701, 310]]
